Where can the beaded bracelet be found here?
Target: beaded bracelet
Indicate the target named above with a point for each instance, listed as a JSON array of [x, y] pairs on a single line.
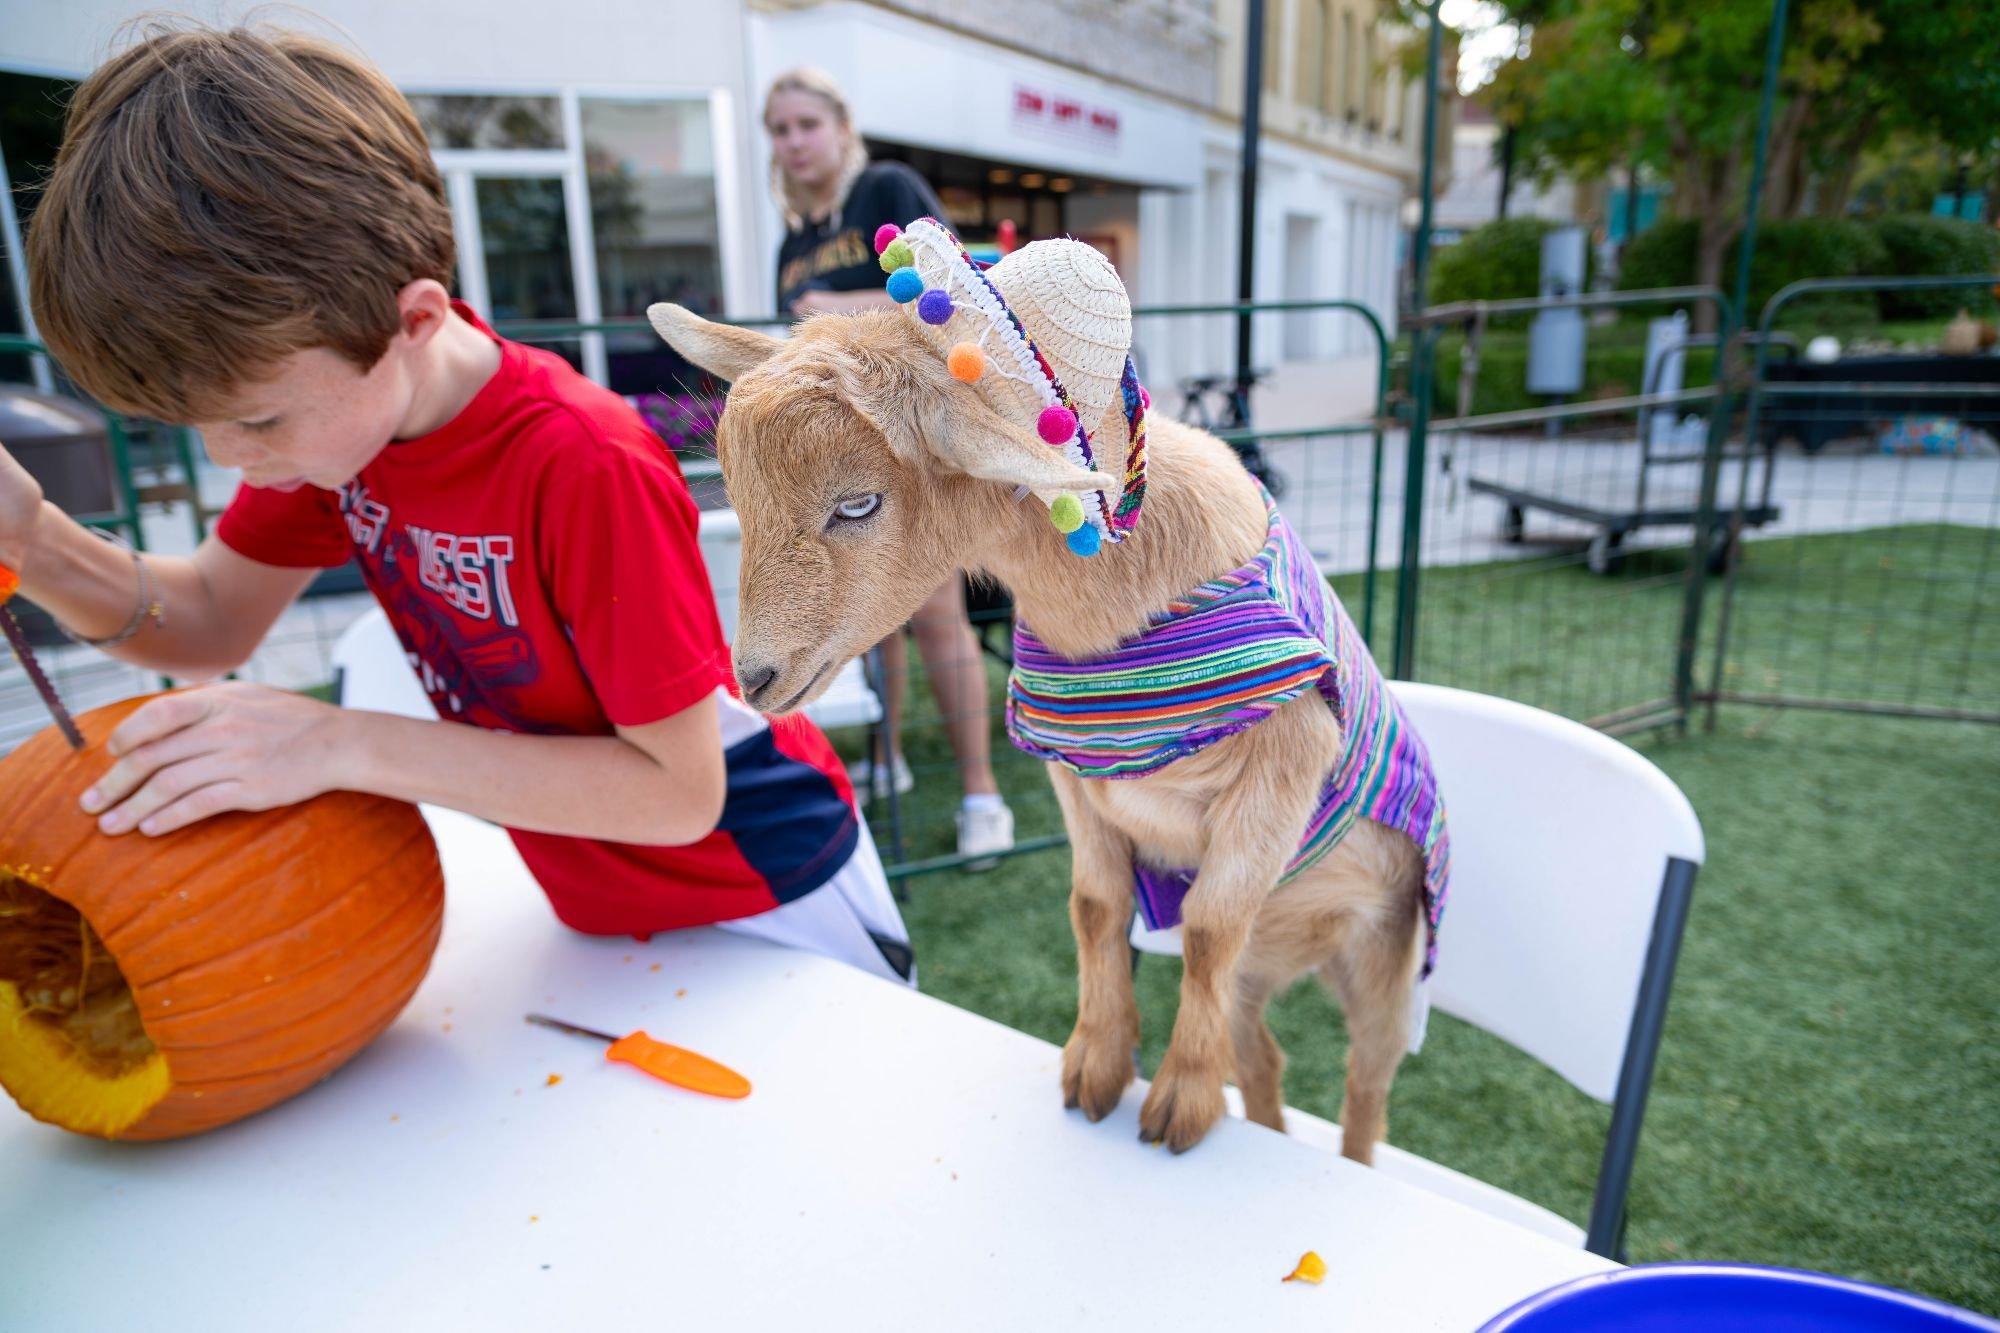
[[149, 606]]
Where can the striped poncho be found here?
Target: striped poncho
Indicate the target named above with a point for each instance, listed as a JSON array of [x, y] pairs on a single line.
[[1217, 662]]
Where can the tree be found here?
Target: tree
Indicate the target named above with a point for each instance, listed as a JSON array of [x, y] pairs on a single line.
[[1674, 85]]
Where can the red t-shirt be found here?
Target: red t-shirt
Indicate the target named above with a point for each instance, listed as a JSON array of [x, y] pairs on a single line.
[[537, 556]]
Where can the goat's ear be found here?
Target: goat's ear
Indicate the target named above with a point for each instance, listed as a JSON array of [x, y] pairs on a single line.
[[929, 416], [723, 350]]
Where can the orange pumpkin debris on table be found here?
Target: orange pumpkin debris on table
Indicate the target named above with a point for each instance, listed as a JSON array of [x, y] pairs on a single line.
[[152, 988]]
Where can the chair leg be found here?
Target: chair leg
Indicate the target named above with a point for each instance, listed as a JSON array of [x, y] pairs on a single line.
[[1606, 1232]]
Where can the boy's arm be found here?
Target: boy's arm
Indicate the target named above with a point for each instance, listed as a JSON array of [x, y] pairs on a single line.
[[245, 747], [219, 604]]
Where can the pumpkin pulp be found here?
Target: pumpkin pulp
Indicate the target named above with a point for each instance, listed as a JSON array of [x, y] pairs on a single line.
[[72, 1048]]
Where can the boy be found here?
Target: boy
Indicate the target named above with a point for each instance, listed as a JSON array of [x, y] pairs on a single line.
[[245, 230]]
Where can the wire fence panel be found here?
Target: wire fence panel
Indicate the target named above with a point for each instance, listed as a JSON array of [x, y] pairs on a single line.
[[1891, 468], [1548, 550]]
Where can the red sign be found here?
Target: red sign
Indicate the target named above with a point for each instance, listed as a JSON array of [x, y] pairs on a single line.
[[1065, 117]]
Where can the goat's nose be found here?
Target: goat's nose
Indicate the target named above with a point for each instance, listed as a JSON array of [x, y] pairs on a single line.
[[755, 678]]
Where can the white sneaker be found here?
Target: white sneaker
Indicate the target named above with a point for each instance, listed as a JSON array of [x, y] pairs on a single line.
[[859, 773], [983, 830]]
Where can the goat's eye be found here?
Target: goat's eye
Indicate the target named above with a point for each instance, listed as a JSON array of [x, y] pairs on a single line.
[[856, 508]]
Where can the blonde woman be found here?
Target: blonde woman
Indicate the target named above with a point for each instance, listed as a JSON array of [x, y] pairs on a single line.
[[833, 199]]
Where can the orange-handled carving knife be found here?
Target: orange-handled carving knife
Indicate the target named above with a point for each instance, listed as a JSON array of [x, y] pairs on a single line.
[[25, 651], [670, 1064]]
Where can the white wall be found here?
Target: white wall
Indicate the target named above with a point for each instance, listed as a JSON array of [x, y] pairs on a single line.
[[1357, 208], [640, 46], [1474, 196], [917, 83], [649, 43]]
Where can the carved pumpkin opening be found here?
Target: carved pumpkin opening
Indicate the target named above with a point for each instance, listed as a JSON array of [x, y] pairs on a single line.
[[72, 1047]]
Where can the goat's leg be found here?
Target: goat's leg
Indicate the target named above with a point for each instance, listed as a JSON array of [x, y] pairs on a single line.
[[1097, 1059], [1254, 828], [1260, 1061], [1371, 971]]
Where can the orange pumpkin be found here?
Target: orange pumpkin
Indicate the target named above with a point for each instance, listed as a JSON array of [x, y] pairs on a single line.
[[152, 988]]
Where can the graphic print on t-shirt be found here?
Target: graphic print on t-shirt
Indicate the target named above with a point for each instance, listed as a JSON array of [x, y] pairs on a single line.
[[432, 584]]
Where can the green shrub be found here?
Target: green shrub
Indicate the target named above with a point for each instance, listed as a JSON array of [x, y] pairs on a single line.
[[1800, 248], [1613, 367], [1911, 245], [1660, 256], [1918, 245], [1501, 261]]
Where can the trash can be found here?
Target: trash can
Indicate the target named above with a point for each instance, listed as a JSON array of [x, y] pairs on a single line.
[[65, 445]]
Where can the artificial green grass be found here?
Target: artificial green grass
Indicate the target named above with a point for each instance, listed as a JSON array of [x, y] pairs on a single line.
[[1828, 1092]]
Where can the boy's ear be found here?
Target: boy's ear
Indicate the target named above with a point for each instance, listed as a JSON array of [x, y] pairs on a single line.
[[422, 308], [723, 350]]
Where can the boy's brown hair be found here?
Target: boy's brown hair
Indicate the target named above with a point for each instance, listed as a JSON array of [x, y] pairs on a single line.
[[222, 199]]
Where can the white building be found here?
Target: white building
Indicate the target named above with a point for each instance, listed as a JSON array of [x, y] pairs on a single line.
[[594, 155], [1474, 197], [609, 154]]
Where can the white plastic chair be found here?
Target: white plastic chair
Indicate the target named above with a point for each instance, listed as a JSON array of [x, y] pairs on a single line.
[[371, 670], [1573, 865]]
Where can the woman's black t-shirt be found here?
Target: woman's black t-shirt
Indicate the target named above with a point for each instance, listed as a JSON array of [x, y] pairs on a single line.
[[837, 254]]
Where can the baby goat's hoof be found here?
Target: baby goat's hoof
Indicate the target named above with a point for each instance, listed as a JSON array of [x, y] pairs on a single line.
[[1095, 1072], [1180, 1109]]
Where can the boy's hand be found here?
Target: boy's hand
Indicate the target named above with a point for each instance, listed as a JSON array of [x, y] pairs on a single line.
[[199, 752], [20, 507]]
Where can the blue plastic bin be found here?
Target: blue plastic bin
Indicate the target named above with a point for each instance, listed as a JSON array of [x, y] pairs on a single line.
[[1730, 1298]]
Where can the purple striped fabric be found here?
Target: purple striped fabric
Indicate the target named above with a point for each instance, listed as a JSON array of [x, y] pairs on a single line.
[[1217, 662]]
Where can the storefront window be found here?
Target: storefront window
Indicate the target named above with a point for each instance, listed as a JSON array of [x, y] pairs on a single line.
[[31, 124], [524, 238], [459, 120], [651, 172]]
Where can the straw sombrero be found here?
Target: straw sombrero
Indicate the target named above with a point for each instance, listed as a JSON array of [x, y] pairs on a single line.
[[1045, 335]]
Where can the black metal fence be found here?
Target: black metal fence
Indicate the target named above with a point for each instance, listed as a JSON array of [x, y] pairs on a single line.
[[1549, 553], [1803, 533], [1886, 601]]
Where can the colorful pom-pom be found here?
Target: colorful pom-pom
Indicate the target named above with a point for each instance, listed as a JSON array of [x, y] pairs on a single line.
[[1066, 513], [897, 254], [884, 234], [934, 306], [1055, 425], [1085, 540], [905, 286], [966, 362]]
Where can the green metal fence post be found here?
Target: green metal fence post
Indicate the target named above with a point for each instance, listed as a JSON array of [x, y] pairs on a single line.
[[1420, 245], [1718, 423], [1375, 496], [1774, 51], [1423, 345], [1422, 352]]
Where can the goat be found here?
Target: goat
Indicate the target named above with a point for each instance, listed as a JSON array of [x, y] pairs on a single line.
[[864, 473]]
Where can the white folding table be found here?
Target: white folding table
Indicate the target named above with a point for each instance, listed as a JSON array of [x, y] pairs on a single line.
[[900, 1164]]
